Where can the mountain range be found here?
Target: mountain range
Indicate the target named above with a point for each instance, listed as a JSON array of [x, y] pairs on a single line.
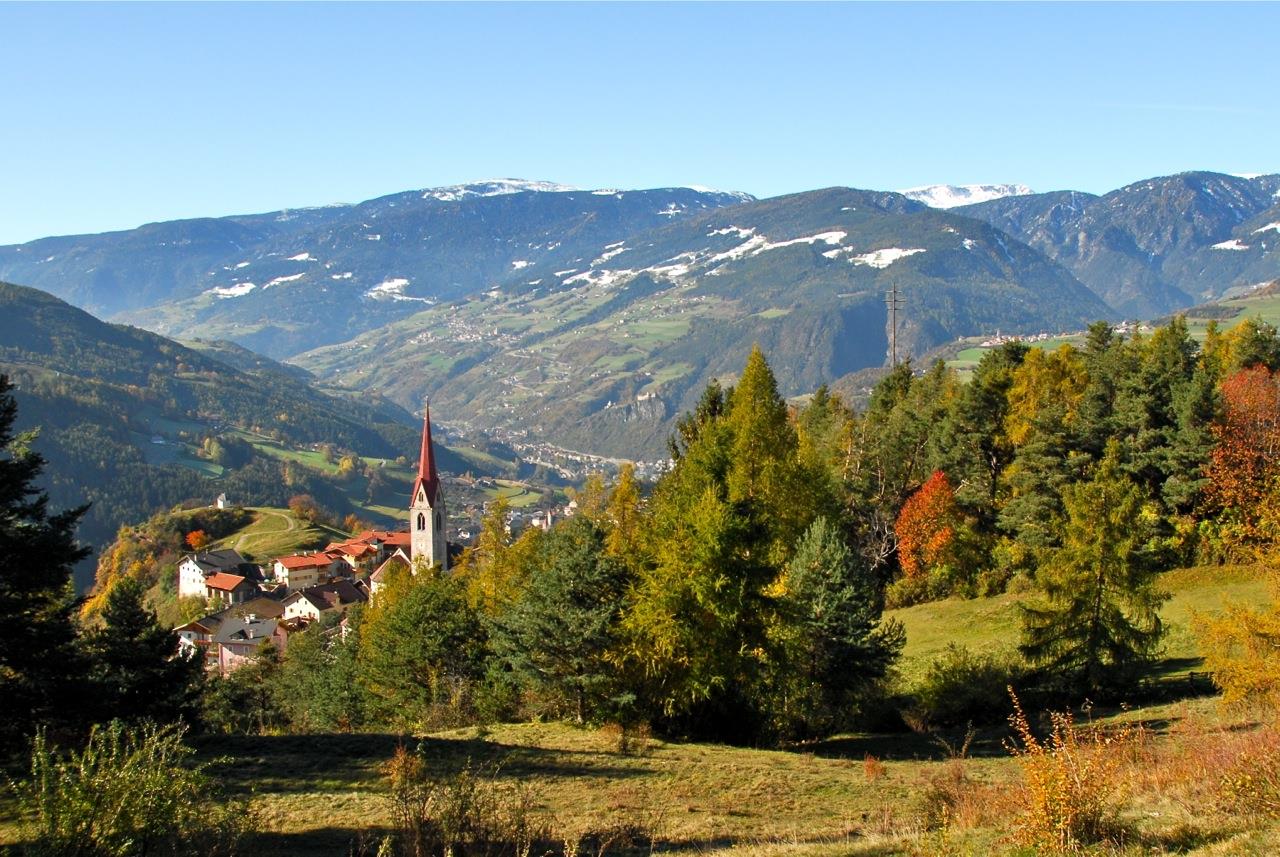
[[1157, 245], [594, 317], [286, 281], [603, 353]]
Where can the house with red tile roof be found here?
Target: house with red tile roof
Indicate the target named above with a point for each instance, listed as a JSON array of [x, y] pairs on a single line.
[[397, 560], [302, 570], [229, 588]]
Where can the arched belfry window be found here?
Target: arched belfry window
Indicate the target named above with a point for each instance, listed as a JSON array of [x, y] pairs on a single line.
[[437, 520], [422, 521]]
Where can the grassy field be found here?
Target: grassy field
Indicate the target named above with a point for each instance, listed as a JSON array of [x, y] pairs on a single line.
[[992, 623], [698, 798], [860, 794], [276, 532], [856, 794]]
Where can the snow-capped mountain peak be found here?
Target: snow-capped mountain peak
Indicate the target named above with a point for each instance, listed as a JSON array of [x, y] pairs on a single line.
[[950, 195], [492, 187]]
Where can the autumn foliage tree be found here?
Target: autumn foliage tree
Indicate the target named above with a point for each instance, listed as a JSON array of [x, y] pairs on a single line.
[[197, 540], [926, 527], [1243, 467]]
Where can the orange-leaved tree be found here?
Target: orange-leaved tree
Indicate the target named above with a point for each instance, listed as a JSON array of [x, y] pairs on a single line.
[[197, 540], [1243, 469], [926, 526]]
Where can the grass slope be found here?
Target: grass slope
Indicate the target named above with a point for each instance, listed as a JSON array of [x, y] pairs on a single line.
[[992, 623], [276, 532]]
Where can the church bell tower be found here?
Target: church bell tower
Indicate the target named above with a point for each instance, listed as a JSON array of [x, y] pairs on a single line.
[[426, 506]]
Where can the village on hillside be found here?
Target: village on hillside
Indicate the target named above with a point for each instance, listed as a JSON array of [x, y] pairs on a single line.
[[267, 603]]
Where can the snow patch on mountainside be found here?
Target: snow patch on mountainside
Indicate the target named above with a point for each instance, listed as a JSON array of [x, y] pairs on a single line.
[[238, 290], [278, 280], [876, 258], [737, 194], [1275, 226], [951, 195], [1233, 244], [610, 250], [831, 238], [393, 290], [493, 187], [302, 257], [600, 277], [758, 244], [733, 230]]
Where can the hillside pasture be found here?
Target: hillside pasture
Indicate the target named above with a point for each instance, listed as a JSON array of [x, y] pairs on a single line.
[[277, 532], [991, 624]]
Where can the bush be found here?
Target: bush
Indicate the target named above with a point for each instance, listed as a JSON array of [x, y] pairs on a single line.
[[130, 791], [960, 686], [460, 813], [1074, 785], [1240, 650]]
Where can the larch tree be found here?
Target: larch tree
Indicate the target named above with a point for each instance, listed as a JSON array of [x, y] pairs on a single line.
[[1097, 620], [696, 629]]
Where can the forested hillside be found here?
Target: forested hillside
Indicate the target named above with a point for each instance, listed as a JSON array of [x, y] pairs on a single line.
[[133, 423], [742, 599], [1156, 245]]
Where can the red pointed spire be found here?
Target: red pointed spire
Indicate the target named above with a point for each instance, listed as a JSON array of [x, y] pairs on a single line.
[[427, 476]]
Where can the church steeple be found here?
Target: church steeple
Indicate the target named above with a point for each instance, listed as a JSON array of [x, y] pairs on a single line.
[[428, 480], [426, 506]]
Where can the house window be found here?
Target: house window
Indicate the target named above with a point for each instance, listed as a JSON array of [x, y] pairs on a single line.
[[422, 521]]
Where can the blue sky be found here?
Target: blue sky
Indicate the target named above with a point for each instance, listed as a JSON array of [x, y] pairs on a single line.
[[115, 115]]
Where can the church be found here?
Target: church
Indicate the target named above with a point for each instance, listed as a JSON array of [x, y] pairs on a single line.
[[427, 515], [427, 520]]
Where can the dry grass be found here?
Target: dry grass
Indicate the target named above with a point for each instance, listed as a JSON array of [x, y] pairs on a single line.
[[1177, 789], [315, 794]]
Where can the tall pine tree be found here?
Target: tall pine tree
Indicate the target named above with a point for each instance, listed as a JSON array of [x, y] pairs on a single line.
[[39, 662], [557, 634], [137, 670]]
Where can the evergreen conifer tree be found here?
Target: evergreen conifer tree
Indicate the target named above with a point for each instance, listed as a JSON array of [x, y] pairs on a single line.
[[838, 644], [419, 644], [1098, 620], [39, 661], [137, 670], [557, 635]]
